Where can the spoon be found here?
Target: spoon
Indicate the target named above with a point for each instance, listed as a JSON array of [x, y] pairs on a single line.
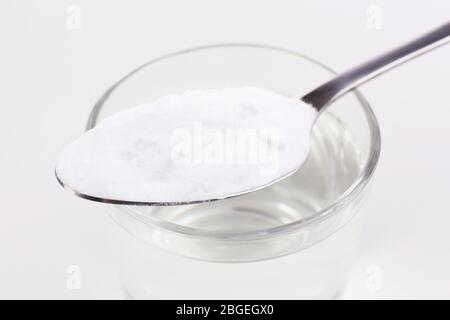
[[344, 82], [322, 97]]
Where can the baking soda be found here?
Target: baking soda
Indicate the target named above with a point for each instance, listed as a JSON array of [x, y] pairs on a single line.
[[198, 145]]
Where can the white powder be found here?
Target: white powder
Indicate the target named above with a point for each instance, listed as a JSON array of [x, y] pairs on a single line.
[[202, 144]]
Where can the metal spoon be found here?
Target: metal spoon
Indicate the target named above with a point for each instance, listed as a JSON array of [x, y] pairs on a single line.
[[322, 96], [344, 82]]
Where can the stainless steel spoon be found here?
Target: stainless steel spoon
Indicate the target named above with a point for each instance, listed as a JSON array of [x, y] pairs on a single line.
[[322, 96], [329, 91]]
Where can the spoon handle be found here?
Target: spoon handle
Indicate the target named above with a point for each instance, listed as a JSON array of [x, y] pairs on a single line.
[[321, 96]]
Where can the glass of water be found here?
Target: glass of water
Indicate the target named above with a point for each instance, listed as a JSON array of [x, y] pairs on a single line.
[[293, 240]]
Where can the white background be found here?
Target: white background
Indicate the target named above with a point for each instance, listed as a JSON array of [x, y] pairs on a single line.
[[51, 75]]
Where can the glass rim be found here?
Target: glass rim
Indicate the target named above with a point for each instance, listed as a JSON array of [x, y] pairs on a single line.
[[347, 196]]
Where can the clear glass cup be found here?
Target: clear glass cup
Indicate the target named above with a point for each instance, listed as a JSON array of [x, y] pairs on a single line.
[[293, 240]]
